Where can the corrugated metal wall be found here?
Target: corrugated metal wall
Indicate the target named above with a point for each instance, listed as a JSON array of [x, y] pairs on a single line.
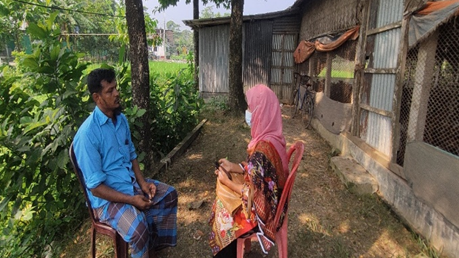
[[257, 52], [284, 43], [214, 59], [267, 55], [322, 17], [383, 53], [283, 65]]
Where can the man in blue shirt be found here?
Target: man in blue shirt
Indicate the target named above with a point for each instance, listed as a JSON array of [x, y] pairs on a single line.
[[143, 211]]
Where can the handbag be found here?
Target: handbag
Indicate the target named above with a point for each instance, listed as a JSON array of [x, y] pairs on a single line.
[[230, 199]]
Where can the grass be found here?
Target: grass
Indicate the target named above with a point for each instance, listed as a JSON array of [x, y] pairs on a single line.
[[162, 67], [158, 67]]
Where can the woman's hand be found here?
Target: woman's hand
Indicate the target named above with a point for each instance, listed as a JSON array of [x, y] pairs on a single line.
[[226, 164], [222, 177]]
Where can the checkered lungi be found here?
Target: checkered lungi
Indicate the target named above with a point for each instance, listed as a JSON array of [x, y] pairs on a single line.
[[151, 229]]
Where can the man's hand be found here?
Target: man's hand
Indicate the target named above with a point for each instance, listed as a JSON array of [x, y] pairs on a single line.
[[149, 189], [141, 202]]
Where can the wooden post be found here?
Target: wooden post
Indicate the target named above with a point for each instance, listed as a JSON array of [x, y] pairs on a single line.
[[399, 81], [327, 87], [422, 85], [359, 68]]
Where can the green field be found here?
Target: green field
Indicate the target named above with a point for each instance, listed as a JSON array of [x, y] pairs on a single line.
[[162, 67]]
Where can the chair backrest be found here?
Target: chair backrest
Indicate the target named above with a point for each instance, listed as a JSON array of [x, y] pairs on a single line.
[[80, 177], [297, 148]]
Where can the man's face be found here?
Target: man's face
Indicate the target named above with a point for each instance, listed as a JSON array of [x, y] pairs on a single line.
[[108, 100]]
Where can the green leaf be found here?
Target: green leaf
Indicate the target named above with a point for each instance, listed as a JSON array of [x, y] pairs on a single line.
[[33, 126], [55, 51], [37, 31], [45, 69], [4, 203], [122, 52], [63, 159], [141, 112], [50, 20], [30, 63]]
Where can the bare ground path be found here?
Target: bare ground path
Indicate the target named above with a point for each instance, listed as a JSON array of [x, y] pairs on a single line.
[[325, 220]]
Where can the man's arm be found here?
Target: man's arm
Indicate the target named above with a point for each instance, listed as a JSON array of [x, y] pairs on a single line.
[[109, 194], [147, 188]]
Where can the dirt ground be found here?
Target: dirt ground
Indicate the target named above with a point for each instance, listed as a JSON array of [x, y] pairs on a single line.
[[325, 219]]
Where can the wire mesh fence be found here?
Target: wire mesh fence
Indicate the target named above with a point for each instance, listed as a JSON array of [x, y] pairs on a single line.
[[430, 96]]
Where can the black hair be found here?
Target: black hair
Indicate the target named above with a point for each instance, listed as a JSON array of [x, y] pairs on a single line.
[[98, 75]]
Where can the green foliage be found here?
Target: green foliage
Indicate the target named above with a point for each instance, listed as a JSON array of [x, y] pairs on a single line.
[[217, 103], [40, 110], [43, 101], [175, 105], [208, 13], [122, 36], [166, 3]]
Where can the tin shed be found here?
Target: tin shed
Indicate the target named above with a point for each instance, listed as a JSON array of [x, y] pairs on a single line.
[[268, 44]]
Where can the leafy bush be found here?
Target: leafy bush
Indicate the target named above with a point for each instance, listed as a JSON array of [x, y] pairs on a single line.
[[175, 107], [42, 103]]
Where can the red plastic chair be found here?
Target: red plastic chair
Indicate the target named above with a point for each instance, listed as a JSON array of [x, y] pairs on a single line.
[[281, 235], [121, 247]]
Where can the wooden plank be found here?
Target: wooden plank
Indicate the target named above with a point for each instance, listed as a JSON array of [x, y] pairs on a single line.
[[422, 84], [328, 75], [392, 26], [381, 70], [376, 110], [399, 82], [359, 68], [180, 148]]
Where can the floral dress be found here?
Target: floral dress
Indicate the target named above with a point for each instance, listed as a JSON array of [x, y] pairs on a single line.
[[264, 181]]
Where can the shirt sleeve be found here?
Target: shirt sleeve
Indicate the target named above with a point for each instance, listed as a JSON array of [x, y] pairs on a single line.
[[89, 160]]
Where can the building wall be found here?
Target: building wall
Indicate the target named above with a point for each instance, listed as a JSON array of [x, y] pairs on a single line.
[[268, 46], [257, 52], [423, 190], [214, 59], [323, 17]]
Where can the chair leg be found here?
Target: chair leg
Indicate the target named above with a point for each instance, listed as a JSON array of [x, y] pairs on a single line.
[[281, 241], [93, 242], [243, 246], [122, 247], [247, 245]]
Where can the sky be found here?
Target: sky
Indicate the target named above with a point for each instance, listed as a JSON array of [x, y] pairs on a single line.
[[185, 12]]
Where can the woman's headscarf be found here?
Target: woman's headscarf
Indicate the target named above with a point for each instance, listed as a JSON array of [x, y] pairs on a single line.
[[266, 120]]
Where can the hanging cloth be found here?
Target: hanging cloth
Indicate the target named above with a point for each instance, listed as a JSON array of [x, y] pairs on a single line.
[[305, 49], [429, 17]]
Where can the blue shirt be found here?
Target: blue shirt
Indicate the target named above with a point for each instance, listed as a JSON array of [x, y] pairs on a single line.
[[104, 152]]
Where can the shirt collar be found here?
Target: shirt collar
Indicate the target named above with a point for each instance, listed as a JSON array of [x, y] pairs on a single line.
[[100, 116]]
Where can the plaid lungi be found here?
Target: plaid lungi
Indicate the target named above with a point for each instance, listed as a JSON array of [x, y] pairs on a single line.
[[151, 229]]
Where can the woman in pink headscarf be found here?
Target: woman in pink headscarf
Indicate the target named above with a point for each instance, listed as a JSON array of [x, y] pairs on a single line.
[[265, 173]]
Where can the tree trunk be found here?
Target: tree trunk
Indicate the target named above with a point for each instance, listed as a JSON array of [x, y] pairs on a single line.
[[236, 91], [196, 44], [138, 55]]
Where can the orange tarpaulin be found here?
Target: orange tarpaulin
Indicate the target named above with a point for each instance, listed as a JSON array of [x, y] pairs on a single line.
[[430, 7], [350, 34], [303, 51], [306, 48]]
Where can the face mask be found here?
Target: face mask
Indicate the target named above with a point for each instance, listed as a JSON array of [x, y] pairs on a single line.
[[248, 117]]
